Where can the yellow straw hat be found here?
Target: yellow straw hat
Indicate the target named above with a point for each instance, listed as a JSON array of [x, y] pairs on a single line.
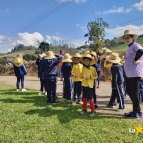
[[76, 55], [126, 33], [50, 55], [113, 58], [67, 58], [106, 50], [95, 56], [92, 62], [18, 61], [41, 55]]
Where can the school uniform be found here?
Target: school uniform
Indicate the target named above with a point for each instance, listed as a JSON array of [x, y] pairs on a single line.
[[49, 70], [77, 81], [19, 73], [98, 70], [117, 85], [66, 71], [141, 91], [88, 86]]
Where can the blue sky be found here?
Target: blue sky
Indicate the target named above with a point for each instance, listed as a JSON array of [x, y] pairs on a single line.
[[68, 24]]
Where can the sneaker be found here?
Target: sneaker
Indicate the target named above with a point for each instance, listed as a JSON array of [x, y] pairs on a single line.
[[120, 109], [79, 102], [115, 104], [40, 93], [110, 106], [45, 93], [23, 90], [92, 113], [132, 115], [126, 96], [17, 90], [140, 114], [55, 102], [83, 111], [96, 106]]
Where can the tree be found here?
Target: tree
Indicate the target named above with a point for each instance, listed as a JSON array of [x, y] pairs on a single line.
[[44, 46], [96, 33]]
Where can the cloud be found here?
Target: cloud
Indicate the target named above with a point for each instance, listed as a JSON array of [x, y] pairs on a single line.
[[50, 39], [76, 1], [83, 28], [29, 39], [57, 33], [118, 31], [78, 43], [115, 10], [139, 6], [4, 38]]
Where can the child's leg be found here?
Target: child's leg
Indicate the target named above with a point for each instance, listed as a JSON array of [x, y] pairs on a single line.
[[79, 91], [48, 89], [18, 82], [90, 96], [53, 88], [113, 97], [98, 79], [85, 93], [94, 93], [22, 81], [120, 96], [74, 91]]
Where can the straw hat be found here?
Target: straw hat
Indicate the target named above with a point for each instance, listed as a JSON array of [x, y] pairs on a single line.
[[113, 58], [106, 50], [50, 55], [92, 62], [126, 33], [18, 61], [67, 58], [76, 55], [95, 56], [41, 55]]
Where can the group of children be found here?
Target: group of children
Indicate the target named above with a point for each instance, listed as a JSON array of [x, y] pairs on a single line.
[[80, 74]]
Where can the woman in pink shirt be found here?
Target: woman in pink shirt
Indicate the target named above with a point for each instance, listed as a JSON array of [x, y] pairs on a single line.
[[133, 67]]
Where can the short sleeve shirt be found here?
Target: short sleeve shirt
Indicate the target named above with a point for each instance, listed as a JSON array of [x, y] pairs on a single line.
[[131, 69]]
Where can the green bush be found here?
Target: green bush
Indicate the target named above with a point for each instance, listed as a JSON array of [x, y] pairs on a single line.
[[29, 57]]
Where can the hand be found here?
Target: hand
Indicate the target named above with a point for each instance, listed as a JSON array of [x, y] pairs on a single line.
[[88, 77], [81, 76], [75, 75], [136, 62]]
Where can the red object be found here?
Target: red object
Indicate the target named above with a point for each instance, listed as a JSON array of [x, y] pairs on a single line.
[[85, 103], [91, 105]]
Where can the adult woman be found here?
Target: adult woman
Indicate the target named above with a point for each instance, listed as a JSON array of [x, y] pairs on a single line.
[[133, 67]]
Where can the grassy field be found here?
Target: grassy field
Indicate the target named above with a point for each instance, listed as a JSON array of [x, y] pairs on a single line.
[[123, 47], [25, 117]]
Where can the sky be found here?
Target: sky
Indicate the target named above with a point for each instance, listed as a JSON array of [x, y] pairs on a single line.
[[29, 22]]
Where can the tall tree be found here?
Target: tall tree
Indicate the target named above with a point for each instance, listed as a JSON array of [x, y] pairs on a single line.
[[96, 33], [44, 46]]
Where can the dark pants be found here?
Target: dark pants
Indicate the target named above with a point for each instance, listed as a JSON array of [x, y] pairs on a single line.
[[77, 90], [141, 90], [42, 84], [133, 91], [87, 92], [94, 93], [98, 79], [67, 88], [117, 93], [20, 78], [51, 88]]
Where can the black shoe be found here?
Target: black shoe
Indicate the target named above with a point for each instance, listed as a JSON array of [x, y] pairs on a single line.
[[131, 115], [140, 114], [96, 106], [83, 111]]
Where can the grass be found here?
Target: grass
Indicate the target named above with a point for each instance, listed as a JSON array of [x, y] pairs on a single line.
[[25, 117]]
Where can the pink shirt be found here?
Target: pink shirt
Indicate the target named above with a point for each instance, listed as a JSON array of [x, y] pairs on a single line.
[[132, 70]]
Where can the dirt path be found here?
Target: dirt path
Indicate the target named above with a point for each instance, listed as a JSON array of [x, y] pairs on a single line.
[[103, 93]]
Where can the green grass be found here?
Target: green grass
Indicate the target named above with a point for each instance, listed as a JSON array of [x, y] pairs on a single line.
[[124, 47], [26, 118]]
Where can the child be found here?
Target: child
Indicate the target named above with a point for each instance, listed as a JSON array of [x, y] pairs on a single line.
[[20, 72], [117, 81], [49, 70], [76, 72], [42, 80], [141, 90], [88, 76], [66, 70]]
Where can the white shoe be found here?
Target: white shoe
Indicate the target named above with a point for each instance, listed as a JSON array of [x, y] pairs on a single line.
[[45, 93], [23, 90], [17, 90], [40, 93]]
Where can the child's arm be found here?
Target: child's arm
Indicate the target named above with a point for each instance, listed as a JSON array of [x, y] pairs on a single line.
[[24, 69], [94, 74], [58, 59]]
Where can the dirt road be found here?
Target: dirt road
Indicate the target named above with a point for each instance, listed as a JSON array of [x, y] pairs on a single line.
[[103, 93]]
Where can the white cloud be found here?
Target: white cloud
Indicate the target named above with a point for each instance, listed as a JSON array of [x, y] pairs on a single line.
[[4, 38], [118, 31], [9, 50], [57, 33], [115, 10], [139, 6], [76, 1], [50, 39], [83, 28], [29, 39], [78, 43]]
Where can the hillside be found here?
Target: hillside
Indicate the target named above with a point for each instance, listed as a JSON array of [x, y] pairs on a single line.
[[123, 47]]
